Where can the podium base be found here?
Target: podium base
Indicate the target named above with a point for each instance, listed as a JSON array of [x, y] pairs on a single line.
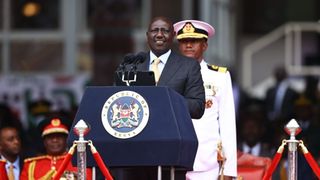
[[147, 173], [172, 173]]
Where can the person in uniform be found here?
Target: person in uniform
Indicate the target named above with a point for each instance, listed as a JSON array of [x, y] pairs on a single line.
[[3, 172], [216, 130], [54, 134]]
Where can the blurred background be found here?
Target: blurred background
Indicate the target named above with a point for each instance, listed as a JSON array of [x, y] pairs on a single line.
[[51, 49]]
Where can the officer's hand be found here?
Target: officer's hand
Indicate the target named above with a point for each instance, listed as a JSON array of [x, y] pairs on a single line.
[[227, 178]]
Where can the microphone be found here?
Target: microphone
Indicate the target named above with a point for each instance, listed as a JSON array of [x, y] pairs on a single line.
[[128, 73], [140, 57], [128, 59]]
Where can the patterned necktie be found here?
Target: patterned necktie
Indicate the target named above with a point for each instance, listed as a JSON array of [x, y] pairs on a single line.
[[155, 69], [10, 172]]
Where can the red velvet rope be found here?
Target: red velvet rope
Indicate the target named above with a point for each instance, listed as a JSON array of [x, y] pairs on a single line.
[[312, 163], [63, 166], [274, 164], [102, 166], [96, 156]]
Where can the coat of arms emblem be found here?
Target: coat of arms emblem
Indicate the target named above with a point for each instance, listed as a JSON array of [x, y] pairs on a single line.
[[125, 114]]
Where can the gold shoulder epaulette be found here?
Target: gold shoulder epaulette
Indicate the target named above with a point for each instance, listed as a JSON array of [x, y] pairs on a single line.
[[2, 160], [35, 158], [217, 68]]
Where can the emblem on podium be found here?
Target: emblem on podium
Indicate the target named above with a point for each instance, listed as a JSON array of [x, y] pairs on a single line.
[[125, 114]]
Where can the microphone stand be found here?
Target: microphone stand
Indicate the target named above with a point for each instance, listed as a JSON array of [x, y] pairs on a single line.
[[128, 59], [134, 60], [133, 70]]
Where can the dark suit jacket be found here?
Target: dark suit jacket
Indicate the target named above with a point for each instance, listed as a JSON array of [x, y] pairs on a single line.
[[184, 76], [289, 98]]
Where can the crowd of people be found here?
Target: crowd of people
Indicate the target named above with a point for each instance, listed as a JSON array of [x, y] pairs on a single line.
[[261, 122], [228, 114]]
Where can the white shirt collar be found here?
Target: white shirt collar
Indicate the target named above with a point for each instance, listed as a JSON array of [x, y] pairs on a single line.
[[255, 150], [15, 163], [203, 63], [164, 57]]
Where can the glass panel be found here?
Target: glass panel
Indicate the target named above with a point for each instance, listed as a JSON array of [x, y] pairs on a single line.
[[85, 57], [35, 14], [138, 14], [90, 13], [36, 56], [1, 61], [128, 12], [262, 16], [1, 15]]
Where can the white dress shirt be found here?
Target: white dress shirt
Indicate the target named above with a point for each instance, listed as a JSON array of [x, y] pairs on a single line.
[[255, 150], [163, 60]]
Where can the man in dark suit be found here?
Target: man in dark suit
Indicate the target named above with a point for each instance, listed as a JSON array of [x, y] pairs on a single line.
[[175, 71], [180, 73], [252, 129], [280, 98], [10, 148]]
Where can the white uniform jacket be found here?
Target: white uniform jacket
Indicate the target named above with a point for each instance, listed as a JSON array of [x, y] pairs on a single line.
[[217, 123]]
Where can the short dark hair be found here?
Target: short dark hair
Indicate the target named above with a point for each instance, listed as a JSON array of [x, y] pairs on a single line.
[[166, 19]]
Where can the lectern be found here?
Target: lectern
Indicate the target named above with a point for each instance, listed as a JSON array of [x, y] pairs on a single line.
[[138, 126]]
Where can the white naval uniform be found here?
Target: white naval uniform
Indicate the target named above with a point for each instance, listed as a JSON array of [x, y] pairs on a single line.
[[217, 123]]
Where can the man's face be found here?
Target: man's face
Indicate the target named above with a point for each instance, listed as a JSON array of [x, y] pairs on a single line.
[[251, 131], [160, 36], [10, 143], [55, 144], [193, 48]]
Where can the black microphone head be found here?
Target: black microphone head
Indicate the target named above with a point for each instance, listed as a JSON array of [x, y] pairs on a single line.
[[128, 59], [141, 57]]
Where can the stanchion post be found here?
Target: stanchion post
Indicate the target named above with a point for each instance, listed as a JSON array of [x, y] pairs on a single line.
[[159, 174], [293, 129], [81, 129]]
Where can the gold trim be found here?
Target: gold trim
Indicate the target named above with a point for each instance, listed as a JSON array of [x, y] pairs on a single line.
[[222, 69], [31, 170], [48, 175], [55, 122], [192, 35], [55, 130]]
